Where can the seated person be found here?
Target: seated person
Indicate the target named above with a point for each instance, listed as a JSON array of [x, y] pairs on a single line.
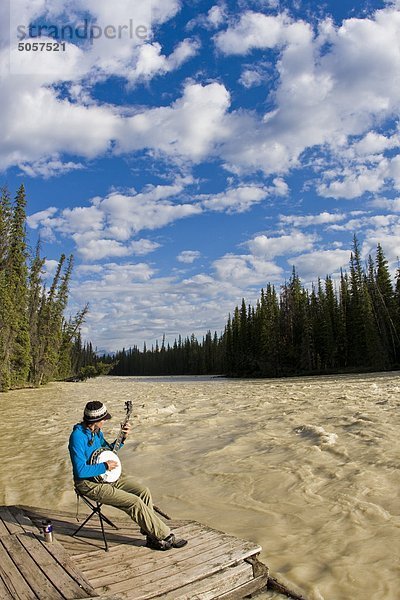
[[126, 493]]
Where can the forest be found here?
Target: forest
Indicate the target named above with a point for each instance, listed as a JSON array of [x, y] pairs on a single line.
[[37, 343], [349, 325]]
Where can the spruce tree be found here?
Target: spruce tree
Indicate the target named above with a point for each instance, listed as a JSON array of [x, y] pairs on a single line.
[[385, 307], [6, 306], [16, 276], [35, 291]]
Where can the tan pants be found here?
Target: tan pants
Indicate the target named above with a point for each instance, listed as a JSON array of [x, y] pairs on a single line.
[[130, 496]]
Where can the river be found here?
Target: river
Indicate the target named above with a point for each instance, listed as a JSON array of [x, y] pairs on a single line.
[[306, 467]]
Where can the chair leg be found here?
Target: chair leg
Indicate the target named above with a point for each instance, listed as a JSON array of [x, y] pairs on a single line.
[[102, 527], [96, 509]]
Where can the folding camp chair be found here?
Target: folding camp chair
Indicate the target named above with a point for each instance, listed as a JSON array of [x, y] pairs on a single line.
[[95, 510]]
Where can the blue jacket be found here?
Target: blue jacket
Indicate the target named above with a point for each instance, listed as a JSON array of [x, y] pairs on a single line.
[[80, 451]]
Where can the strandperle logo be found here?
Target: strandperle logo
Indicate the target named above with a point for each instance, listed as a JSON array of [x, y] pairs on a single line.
[[85, 30]]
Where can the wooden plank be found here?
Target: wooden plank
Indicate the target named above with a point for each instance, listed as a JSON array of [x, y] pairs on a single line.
[[55, 561], [209, 587], [31, 572], [3, 528], [23, 520], [4, 593], [9, 520], [12, 578]]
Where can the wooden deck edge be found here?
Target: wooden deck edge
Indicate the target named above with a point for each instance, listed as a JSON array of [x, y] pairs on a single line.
[[251, 587], [259, 569]]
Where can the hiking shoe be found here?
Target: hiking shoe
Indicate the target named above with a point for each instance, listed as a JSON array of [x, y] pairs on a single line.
[[156, 544], [179, 542], [169, 542]]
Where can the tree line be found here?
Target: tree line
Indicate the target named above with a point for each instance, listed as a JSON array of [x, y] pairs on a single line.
[[351, 325], [37, 343]]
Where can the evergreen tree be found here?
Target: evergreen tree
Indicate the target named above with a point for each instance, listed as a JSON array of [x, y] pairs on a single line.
[[16, 277], [385, 308], [34, 305], [6, 306]]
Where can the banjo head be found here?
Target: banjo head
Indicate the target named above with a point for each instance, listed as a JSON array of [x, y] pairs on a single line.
[[104, 456]]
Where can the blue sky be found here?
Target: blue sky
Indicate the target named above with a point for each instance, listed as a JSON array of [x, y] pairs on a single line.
[[187, 163]]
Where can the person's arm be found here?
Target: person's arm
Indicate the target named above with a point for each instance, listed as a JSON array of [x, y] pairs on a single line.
[[77, 450], [126, 431]]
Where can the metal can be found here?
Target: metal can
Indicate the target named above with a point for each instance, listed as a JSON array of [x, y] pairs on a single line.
[[47, 530]]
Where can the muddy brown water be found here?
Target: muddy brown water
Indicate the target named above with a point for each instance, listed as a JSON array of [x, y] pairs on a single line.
[[306, 467]]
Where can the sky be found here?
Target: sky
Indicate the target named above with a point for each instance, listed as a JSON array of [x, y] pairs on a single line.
[[189, 152]]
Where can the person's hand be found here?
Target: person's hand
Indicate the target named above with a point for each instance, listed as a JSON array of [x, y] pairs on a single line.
[[111, 464], [126, 429]]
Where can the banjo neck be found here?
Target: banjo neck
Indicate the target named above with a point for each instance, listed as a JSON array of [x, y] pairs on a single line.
[[120, 437]]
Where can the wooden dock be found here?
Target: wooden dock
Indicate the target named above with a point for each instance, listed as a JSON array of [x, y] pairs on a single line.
[[213, 565]]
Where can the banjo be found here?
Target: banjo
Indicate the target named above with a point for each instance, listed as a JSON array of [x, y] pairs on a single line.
[[102, 455]]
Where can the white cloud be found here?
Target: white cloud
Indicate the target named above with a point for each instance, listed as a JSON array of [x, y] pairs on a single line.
[[50, 267], [216, 15], [367, 223], [256, 30], [250, 78], [41, 218], [188, 256], [235, 200], [395, 171], [375, 143], [49, 168], [241, 198], [85, 269], [384, 203], [96, 248], [142, 247], [269, 247], [151, 62], [279, 188], [246, 270], [212, 20], [126, 274], [354, 184], [320, 263], [189, 128], [37, 125], [127, 215], [323, 218]]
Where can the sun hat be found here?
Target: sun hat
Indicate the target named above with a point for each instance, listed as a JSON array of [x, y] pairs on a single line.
[[95, 411]]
